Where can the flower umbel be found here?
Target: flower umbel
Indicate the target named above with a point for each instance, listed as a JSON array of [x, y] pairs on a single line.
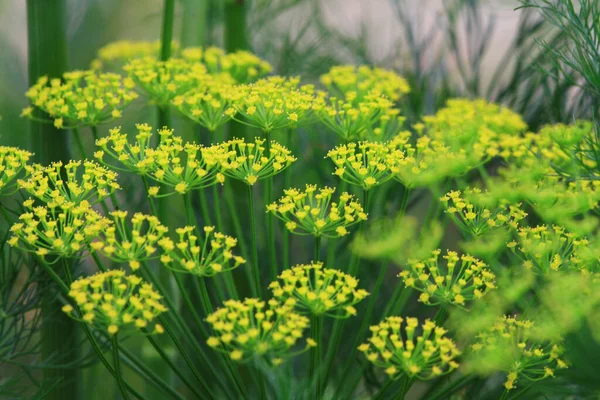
[[250, 162], [203, 258], [115, 302], [57, 183], [311, 212], [508, 346], [252, 328], [64, 232], [13, 161], [319, 291], [402, 352], [463, 278]]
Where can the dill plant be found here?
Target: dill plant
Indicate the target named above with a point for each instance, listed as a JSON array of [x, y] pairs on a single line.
[[373, 316]]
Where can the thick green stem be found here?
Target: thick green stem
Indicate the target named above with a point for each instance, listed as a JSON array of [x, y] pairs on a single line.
[[120, 382], [47, 56], [255, 267], [317, 249], [236, 30], [316, 328], [166, 36]]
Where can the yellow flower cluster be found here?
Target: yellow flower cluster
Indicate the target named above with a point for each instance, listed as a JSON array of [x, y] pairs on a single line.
[[545, 249], [508, 346], [319, 291], [124, 50], [241, 65], [208, 104], [182, 166], [131, 243], [465, 121], [60, 183], [430, 161], [185, 166], [271, 103], [365, 164], [204, 258], [312, 212], [464, 278], [471, 217], [253, 328], [354, 82], [366, 118], [395, 346], [64, 232], [81, 98], [138, 157], [12, 162], [250, 162], [162, 81], [115, 302]]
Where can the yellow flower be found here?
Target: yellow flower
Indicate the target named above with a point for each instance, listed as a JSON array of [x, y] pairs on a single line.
[[13, 162], [116, 302]]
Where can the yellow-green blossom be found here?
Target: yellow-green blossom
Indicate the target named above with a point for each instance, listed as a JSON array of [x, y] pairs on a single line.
[[252, 328], [508, 346], [252, 161], [545, 249], [119, 52], [162, 81], [114, 302], [81, 98], [13, 162], [138, 157], [357, 82], [203, 258], [462, 279], [241, 65], [319, 291], [131, 243], [58, 183], [63, 232], [312, 211], [476, 219], [209, 103], [396, 347], [365, 164], [271, 103]]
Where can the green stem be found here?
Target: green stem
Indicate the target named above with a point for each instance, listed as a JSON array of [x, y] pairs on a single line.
[[115, 348], [79, 143], [236, 34], [150, 200], [287, 179], [257, 292], [193, 24], [166, 36], [440, 316], [382, 393], [189, 211], [217, 208], [315, 355], [361, 331], [206, 220], [94, 133], [317, 249]]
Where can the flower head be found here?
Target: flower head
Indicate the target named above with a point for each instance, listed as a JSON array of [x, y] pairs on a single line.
[[312, 211], [545, 249], [115, 302], [252, 161], [463, 278], [476, 219], [356, 82], [400, 350], [241, 65], [508, 346], [131, 242], [82, 98], [116, 53], [365, 164], [64, 231], [208, 104], [253, 328], [203, 258], [13, 162], [138, 157], [318, 290], [272, 103], [59, 183], [162, 81]]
